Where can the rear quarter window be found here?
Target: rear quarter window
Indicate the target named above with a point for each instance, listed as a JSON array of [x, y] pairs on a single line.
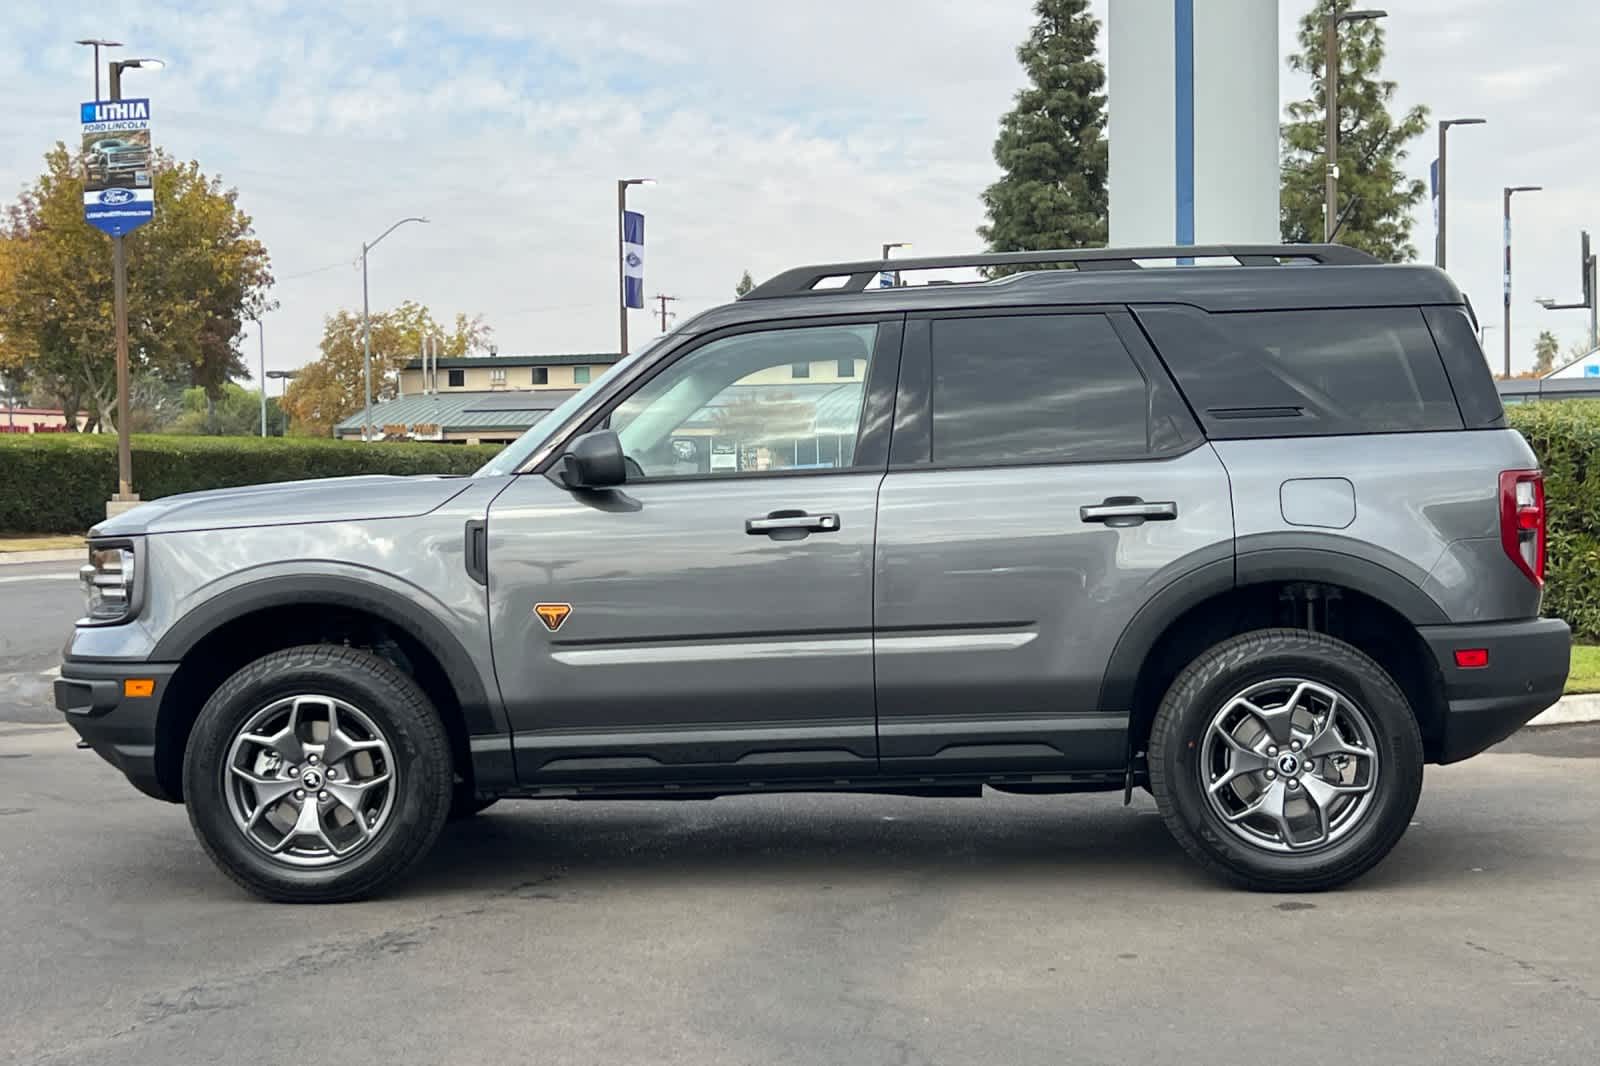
[[1306, 373]]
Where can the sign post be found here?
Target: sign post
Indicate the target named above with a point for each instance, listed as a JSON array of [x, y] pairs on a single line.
[[118, 197]]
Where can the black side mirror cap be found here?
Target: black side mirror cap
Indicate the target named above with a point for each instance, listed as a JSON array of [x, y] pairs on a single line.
[[594, 461]]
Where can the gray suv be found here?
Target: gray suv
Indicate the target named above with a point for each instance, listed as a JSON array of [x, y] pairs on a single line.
[[1253, 536]]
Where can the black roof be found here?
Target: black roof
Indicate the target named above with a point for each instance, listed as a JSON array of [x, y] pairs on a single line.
[[1276, 277]]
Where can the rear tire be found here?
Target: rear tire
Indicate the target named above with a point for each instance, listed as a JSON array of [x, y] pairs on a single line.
[[317, 774], [1285, 761]]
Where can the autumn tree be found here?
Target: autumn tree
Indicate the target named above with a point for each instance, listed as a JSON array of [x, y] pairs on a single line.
[[334, 387], [196, 272], [1375, 195], [1052, 145]]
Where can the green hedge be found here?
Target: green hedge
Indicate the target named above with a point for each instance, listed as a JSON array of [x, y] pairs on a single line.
[[59, 483], [1566, 437]]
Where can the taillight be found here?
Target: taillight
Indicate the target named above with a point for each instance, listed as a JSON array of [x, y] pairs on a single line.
[[1522, 528]]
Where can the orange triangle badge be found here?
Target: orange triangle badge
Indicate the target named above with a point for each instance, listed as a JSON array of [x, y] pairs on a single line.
[[552, 614]]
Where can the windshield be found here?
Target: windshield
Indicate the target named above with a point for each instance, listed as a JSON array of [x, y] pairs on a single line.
[[517, 452]]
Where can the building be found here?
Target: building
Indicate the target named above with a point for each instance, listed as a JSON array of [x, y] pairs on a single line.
[[1585, 366], [17, 419], [477, 399]]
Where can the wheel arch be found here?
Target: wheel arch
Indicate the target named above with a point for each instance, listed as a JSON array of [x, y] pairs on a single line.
[[238, 626]]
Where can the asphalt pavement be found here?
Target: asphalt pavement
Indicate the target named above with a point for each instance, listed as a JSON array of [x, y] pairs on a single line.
[[795, 929], [38, 604]]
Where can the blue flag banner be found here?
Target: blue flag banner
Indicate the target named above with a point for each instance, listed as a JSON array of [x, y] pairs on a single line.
[[632, 259]]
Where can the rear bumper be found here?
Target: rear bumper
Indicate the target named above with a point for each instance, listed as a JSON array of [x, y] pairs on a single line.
[[1526, 672], [121, 729]]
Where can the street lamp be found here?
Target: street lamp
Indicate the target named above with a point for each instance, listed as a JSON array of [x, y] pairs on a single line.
[[1439, 239], [261, 338], [366, 324], [1330, 88], [1505, 326], [97, 44], [117, 66], [622, 267], [1587, 279], [887, 248]]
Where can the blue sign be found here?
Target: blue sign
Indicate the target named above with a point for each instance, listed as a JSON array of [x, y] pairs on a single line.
[[1591, 370], [119, 192]]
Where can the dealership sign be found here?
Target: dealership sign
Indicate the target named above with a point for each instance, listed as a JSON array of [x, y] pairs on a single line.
[[118, 189]]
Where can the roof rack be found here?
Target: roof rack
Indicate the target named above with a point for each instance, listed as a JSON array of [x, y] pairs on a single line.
[[803, 281]]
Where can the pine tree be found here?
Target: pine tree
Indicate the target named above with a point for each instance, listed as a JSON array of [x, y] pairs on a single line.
[[746, 283], [1545, 350], [1052, 144], [1375, 196]]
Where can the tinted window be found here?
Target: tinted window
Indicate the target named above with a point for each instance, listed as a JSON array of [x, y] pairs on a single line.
[[1468, 369], [457, 377], [540, 375], [732, 406], [1306, 373], [1035, 388]]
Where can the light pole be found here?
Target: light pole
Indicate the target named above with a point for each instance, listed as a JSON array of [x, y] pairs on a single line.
[[366, 325], [285, 376], [622, 266], [1330, 90], [887, 248], [1505, 322], [1439, 239], [97, 44], [119, 308], [1587, 278], [261, 338]]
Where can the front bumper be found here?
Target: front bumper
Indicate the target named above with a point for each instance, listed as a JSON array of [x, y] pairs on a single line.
[[121, 729], [1526, 672]]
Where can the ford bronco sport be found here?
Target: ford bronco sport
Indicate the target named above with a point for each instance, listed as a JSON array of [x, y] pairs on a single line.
[[1250, 535]]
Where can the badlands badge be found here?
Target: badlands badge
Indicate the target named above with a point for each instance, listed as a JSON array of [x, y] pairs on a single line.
[[552, 614]]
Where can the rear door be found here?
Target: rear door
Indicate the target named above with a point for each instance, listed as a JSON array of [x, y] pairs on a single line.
[[1045, 480]]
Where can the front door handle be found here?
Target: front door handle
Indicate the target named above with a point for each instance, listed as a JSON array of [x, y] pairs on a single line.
[[1120, 511], [784, 525]]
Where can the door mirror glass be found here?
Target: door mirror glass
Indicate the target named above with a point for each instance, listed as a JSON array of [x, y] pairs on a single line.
[[594, 461]]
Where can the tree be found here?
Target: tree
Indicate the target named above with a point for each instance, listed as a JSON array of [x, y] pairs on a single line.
[[334, 387], [1052, 145], [195, 273], [1375, 196], [746, 283], [235, 413], [1545, 350]]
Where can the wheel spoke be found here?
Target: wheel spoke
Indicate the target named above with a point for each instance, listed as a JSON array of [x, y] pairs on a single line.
[[351, 794], [1329, 742], [1277, 721], [1242, 761], [340, 746], [268, 790]]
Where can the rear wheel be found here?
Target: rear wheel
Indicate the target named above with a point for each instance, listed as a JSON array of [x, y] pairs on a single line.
[[1286, 760], [317, 774]]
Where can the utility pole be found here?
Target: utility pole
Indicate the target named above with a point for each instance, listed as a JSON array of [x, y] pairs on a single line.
[[1330, 91], [1505, 325], [662, 310]]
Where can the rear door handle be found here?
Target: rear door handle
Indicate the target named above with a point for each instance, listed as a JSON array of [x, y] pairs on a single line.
[[1119, 511], [791, 523]]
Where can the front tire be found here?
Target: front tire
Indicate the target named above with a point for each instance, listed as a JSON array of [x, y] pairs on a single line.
[[317, 774], [1286, 761]]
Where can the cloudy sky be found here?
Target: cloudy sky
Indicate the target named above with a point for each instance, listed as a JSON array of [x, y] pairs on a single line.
[[779, 134]]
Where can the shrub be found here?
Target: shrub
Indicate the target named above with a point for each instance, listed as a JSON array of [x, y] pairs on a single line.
[[1566, 437], [59, 483]]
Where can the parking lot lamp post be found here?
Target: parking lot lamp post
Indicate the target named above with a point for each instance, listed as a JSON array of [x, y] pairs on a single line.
[[889, 247], [1505, 322], [97, 44], [622, 266], [366, 325], [1439, 238]]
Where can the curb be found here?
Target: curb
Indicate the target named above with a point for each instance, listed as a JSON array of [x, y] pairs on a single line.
[[48, 555], [1570, 710]]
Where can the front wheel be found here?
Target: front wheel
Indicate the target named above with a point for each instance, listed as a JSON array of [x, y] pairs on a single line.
[[317, 774], [1286, 760]]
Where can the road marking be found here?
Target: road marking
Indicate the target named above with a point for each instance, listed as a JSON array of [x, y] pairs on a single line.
[[39, 577]]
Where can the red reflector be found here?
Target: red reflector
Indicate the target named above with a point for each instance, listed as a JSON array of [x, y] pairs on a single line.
[[1472, 658]]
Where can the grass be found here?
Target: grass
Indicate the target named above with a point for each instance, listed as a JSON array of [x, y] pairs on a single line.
[[33, 542], [1585, 673]]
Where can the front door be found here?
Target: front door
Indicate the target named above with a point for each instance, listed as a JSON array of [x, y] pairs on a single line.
[[710, 619]]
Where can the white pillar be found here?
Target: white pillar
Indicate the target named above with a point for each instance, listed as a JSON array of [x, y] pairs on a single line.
[[1193, 97]]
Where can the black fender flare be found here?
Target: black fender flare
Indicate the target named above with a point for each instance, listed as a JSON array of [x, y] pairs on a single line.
[[480, 714], [1373, 579]]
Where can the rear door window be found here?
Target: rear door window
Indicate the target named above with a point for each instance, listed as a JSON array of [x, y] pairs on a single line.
[[1035, 389], [1306, 373]]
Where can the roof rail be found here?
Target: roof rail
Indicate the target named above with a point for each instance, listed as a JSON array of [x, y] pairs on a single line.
[[803, 281]]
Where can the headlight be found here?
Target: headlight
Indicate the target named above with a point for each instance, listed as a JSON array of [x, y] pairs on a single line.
[[108, 584]]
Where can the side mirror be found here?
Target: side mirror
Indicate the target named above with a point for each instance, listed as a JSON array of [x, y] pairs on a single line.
[[594, 461]]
